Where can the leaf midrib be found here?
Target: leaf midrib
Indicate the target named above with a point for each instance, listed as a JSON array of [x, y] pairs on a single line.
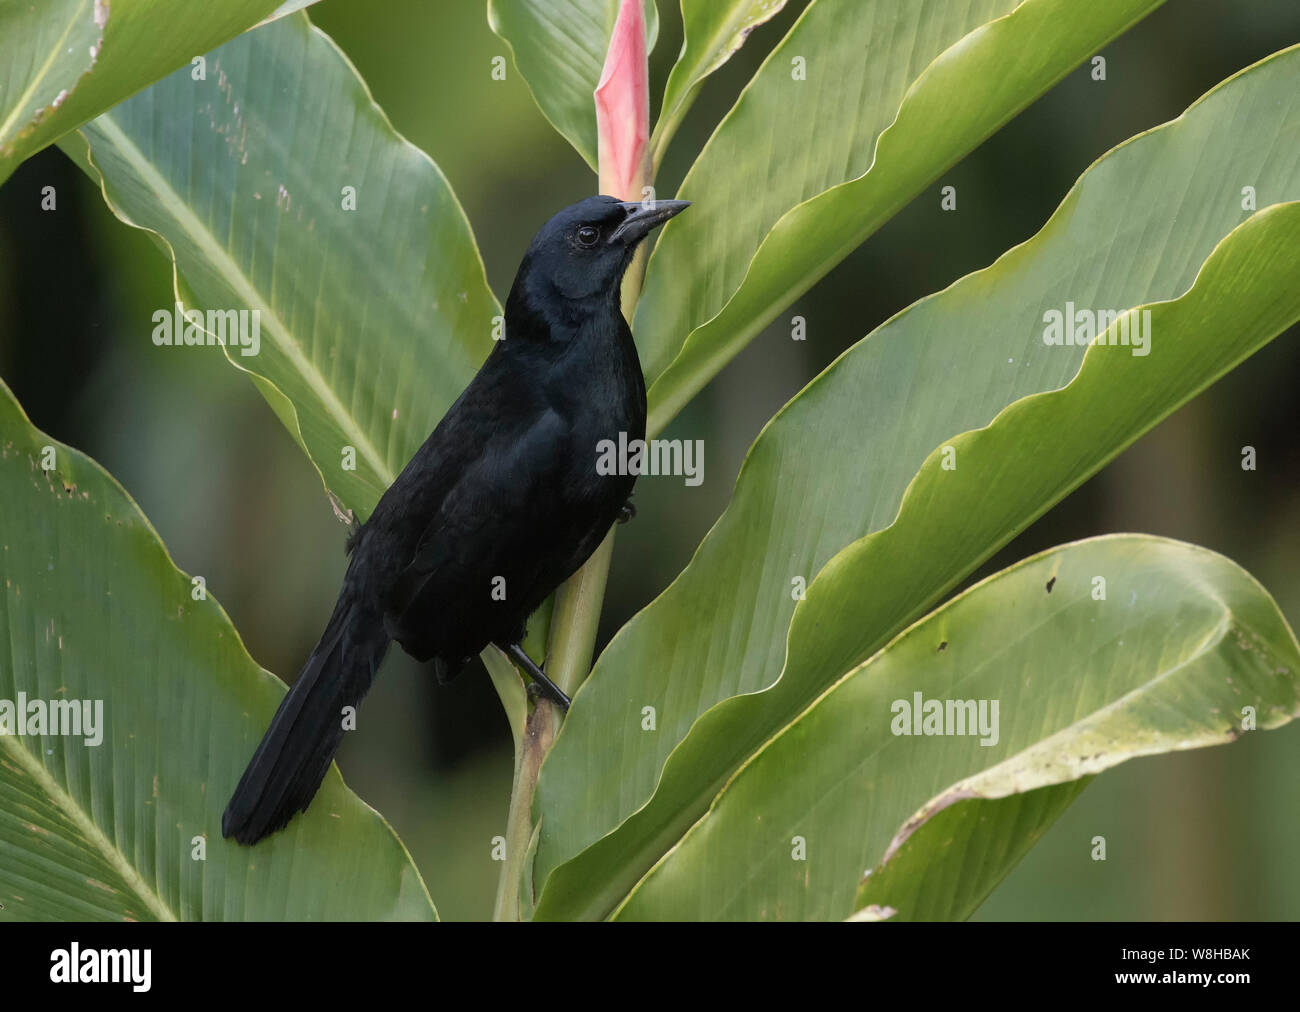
[[89, 830], [225, 265]]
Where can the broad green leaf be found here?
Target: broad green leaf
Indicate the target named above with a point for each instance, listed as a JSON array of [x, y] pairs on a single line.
[[714, 31], [64, 61], [373, 320], [1242, 289], [1185, 651], [833, 467], [559, 48], [93, 610], [946, 869], [802, 171]]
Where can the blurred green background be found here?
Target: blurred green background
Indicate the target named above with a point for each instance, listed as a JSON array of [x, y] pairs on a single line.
[[1212, 834]]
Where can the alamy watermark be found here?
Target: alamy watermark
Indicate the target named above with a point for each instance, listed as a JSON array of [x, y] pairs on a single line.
[[75, 965], [679, 457], [949, 717], [239, 328], [1130, 328], [71, 718]]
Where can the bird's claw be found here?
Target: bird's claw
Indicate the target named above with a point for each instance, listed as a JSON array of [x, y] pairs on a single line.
[[540, 684]]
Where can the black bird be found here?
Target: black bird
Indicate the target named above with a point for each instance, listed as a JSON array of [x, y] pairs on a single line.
[[500, 505]]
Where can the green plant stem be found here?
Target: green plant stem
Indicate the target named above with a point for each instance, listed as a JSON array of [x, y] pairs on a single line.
[[539, 732], [573, 640], [576, 618]]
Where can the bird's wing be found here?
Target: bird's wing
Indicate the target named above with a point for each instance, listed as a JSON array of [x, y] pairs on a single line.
[[503, 481]]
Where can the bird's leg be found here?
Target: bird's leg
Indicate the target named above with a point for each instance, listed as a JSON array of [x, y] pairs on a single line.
[[626, 512], [544, 685]]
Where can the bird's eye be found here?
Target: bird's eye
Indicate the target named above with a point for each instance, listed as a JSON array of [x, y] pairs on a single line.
[[587, 236]]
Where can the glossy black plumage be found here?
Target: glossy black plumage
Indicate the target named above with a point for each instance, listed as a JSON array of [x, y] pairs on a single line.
[[505, 488]]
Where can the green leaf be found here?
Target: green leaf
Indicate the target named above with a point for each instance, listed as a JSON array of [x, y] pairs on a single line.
[[559, 48], [834, 465], [931, 876], [64, 61], [373, 320], [44, 51], [92, 609], [714, 31], [1182, 651], [801, 172]]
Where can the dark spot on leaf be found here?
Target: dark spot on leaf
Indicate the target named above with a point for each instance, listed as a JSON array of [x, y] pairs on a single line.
[[942, 647], [1050, 584]]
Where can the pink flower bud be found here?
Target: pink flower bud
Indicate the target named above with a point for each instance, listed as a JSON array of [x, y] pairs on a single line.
[[623, 107]]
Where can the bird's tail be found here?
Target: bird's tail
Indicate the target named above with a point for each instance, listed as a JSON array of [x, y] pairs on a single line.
[[307, 729]]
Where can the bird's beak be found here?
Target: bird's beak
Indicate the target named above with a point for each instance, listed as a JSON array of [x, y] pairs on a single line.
[[642, 216]]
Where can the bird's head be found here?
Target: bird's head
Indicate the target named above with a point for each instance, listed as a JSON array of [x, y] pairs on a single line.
[[584, 250]]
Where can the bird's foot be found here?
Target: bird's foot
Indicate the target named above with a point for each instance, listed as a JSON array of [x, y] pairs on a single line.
[[541, 685], [625, 512]]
